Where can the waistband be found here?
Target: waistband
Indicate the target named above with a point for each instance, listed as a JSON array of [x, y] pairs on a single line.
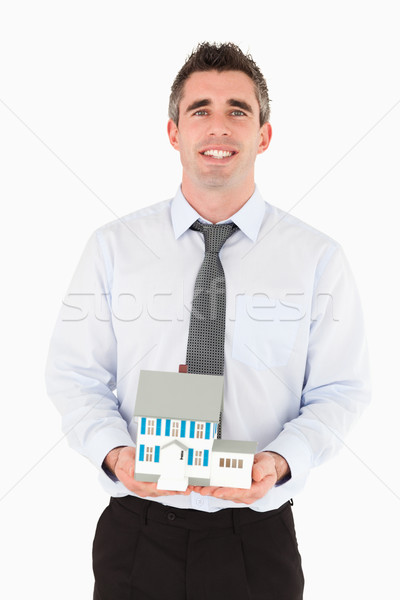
[[194, 519]]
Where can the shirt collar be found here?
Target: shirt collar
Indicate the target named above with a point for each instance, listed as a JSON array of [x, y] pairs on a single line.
[[248, 218]]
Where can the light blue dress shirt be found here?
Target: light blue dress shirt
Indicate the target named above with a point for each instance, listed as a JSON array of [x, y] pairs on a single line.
[[296, 372]]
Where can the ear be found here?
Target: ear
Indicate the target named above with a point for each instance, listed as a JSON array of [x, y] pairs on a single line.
[[265, 137], [172, 129]]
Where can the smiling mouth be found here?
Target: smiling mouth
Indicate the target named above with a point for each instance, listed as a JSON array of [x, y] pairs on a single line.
[[218, 154]]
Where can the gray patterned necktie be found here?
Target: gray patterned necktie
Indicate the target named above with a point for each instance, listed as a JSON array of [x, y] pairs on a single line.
[[205, 350]]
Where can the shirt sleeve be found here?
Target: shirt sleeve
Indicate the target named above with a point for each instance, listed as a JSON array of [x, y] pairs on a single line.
[[336, 380], [81, 370]]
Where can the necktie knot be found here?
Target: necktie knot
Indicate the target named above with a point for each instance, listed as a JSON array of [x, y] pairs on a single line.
[[215, 236]]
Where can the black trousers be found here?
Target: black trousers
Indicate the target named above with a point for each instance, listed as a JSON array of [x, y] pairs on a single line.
[[146, 551]]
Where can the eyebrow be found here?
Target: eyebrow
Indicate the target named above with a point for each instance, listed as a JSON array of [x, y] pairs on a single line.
[[240, 104], [198, 104], [231, 102]]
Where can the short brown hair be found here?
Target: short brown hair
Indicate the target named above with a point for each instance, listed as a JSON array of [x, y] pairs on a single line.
[[219, 57]]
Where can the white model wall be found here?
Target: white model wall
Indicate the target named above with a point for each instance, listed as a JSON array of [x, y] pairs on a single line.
[[230, 476]]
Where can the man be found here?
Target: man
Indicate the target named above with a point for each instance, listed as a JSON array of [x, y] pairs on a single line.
[[295, 368]]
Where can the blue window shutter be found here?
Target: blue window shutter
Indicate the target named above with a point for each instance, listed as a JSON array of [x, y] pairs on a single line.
[[190, 456], [141, 452], [207, 431], [168, 427], [158, 427], [183, 428], [157, 454], [143, 425], [192, 426], [205, 462]]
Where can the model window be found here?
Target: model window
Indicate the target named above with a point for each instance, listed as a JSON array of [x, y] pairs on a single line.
[[149, 454], [198, 458], [150, 426], [175, 428], [233, 463], [200, 431]]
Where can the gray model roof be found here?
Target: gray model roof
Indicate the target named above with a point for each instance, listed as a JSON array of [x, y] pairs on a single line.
[[234, 446], [185, 396]]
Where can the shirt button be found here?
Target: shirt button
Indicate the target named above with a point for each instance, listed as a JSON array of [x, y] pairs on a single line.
[[171, 516], [199, 502]]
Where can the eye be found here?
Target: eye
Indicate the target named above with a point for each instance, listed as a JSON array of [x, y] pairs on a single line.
[[238, 113], [200, 113]]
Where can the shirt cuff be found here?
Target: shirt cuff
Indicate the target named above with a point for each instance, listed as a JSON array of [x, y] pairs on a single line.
[[104, 441], [297, 455]]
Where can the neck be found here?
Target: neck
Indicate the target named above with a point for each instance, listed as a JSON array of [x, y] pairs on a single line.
[[216, 205]]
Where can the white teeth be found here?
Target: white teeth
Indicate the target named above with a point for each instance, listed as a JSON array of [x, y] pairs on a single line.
[[217, 153]]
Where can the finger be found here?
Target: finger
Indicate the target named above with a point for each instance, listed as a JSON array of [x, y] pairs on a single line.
[[150, 490], [169, 492], [239, 495], [235, 495], [208, 490]]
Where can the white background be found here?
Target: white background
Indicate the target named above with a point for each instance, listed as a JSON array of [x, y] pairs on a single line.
[[84, 87]]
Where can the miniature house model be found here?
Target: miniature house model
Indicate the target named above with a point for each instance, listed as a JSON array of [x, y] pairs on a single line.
[[177, 416]]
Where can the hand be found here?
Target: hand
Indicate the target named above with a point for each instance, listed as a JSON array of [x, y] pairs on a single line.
[[268, 468], [121, 462]]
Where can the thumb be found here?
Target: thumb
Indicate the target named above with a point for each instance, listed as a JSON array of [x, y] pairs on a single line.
[[259, 472], [264, 465], [126, 461]]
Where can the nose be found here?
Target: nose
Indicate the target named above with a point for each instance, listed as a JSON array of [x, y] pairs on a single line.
[[218, 125]]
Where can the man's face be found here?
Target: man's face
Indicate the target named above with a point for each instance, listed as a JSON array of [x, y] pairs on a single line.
[[219, 133]]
